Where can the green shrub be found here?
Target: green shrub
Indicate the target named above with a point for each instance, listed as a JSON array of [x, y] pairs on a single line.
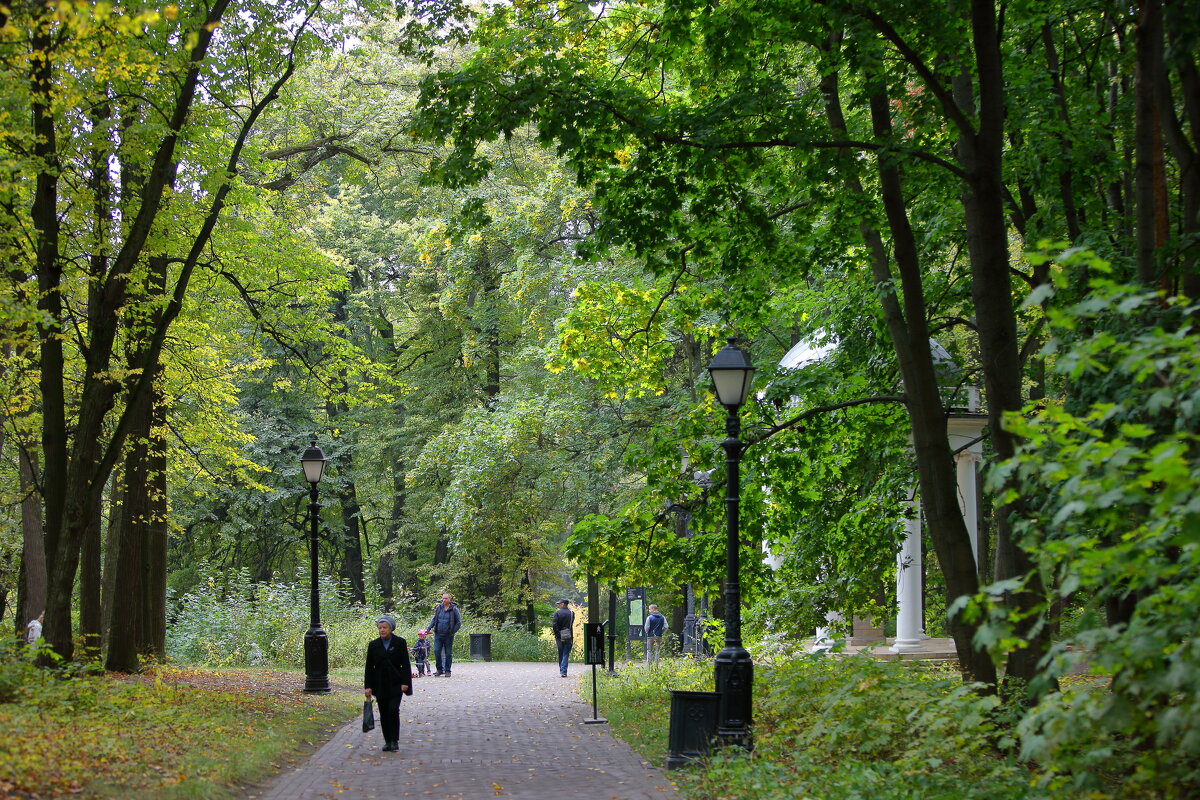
[[230, 621], [19, 676], [1108, 475], [835, 728]]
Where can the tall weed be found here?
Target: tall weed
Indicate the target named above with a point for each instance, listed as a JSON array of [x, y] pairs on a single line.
[[229, 620]]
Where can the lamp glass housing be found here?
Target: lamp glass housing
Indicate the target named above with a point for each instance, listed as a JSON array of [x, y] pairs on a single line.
[[732, 373], [313, 462]]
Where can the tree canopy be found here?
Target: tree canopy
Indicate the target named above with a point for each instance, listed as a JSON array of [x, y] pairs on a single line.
[[483, 255]]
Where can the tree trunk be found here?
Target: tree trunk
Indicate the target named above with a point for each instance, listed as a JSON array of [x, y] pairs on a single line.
[[908, 331], [112, 551], [441, 550], [125, 632], [981, 156], [31, 600], [352, 558], [1149, 182], [392, 553], [90, 630], [153, 639]]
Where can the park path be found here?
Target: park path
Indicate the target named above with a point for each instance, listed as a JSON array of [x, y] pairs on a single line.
[[494, 730]]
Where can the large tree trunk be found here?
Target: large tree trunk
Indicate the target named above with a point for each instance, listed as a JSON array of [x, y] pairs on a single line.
[[126, 627], [90, 630], [78, 461], [31, 600], [153, 638], [112, 549], [1185, 149], [396, 557], [352, 558], [908, 331], [981, 156], [1153, 225]]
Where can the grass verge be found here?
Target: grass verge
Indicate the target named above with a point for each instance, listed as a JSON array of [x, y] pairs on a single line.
[[168, 733], [834, 729]]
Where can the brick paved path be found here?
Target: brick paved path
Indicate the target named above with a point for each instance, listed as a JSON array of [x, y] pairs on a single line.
[[508, 730]]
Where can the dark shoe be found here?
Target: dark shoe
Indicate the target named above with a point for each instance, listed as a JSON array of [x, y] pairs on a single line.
[[391, 747], [447, 675], [437, 675]]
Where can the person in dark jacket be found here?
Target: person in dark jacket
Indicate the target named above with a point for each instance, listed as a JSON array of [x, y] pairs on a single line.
[[387, 678], [445, 623], [563, 626], [420, 651], [655, 625]]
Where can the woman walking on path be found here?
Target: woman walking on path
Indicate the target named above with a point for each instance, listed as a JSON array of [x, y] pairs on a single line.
[[387, 678]]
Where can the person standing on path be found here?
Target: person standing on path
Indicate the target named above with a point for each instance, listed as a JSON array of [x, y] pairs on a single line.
[[445, 623], [420, 651], [563, 626], [656, 624], [387, 678]]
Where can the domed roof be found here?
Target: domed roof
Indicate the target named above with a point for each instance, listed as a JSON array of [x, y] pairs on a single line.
[[808, 351], [820, 345]]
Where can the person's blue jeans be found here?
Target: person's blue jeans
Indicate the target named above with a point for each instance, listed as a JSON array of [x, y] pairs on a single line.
[[564, 654], [442, 646]]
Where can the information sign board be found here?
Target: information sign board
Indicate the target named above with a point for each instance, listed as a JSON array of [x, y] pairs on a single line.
[[593, 643], [635, 602]]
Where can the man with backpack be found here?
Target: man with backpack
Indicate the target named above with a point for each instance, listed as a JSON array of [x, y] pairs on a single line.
[[656, 625]]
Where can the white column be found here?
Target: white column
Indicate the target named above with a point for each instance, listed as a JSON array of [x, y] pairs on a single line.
[[968, 498], [909, 627], [965, 430]]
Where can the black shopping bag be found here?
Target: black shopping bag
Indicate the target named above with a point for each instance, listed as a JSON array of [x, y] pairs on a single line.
[[368, 717]]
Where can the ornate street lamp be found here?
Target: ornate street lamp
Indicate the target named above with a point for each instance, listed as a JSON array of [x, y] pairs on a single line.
[[316, 643], [732, 374]]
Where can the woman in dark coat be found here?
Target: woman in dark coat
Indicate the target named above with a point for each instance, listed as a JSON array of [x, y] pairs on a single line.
[[387, 678]]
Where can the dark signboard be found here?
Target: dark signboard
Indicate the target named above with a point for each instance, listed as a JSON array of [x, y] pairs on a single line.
[[635, 602], [593, 643]]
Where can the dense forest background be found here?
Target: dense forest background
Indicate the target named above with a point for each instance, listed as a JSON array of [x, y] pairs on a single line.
[[483, 253]]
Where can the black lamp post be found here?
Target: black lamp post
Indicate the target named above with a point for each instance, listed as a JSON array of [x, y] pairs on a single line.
[[732, 374], [316, 643]]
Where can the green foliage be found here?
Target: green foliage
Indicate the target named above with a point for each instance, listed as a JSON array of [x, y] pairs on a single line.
[[1114, 524], [230, 621], [20, 679], [839, 728], [637, 703], [510, 642]]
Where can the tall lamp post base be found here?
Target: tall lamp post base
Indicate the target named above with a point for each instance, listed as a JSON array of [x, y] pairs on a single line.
[[316, 661], [734, 674]]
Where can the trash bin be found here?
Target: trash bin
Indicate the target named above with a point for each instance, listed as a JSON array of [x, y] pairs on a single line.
[[481, 647], [693, 726]]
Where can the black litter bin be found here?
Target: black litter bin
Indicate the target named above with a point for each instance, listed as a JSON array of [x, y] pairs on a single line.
[[481, 647], [693, 726]]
